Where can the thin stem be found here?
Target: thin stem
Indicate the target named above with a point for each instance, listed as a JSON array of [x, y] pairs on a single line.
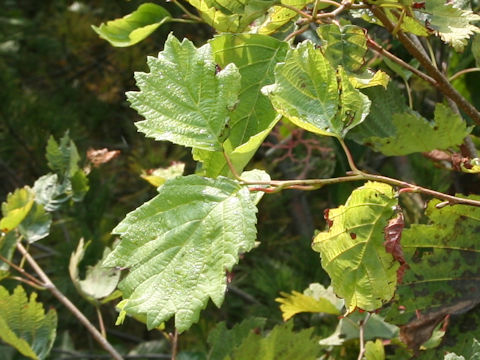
[[351, 162], [431, 53], [462, 72], [185, 21], [174, 344], [442, 82], [297, 32], [188, 13], [362, 336], [381, 51], [231, 167], [101, 325], [68, 304], [21, 271], [28, 282], [298, 11], [409, 94]]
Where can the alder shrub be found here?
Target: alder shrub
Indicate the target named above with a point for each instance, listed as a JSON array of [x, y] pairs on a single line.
[[330, 68]]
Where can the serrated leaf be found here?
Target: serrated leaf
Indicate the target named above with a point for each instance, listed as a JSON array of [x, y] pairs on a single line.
[[157, 177], [374, 350], [451, 23], [183, 99], [280, 344], [443, 259], [345, 46], [306, 91], [133, 27], [16, 208], [62, 158], [413, 133], [223, 341], [352, 250], [231, 16], [312, 300], [99, 282], [36, 224], [24, 324], [254, 117], [179, 245]]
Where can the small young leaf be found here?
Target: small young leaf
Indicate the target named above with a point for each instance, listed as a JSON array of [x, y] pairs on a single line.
[[310, 301], [352, 250], [279, 16], [179, 245], [16, 208], [24, 324], [374, 350], [62, 158], [157, 177], [183, 99], [50, 192], [134, 27]]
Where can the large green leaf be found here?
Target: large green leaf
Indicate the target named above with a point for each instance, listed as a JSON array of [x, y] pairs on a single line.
[[179, 245], [134, 27], [444, 263], [307, 92], [183, 99], [346, 46], [231, 16], [352, 250], [253, 118], [24, 324], [282, 343], [16, 208], [451, 23]]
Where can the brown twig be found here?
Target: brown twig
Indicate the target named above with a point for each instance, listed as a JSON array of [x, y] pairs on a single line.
[[68, 304]]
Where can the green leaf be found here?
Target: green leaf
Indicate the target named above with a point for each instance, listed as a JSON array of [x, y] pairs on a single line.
[[179, 245], [99, 282], [223, 341], [231, 16], [8, 242], [451, 23], [183, 99], [374, 350], [279, 16], [349, 328], [16, 208], [444, 262], [254, 116], [62, 158], [134, 27], [36, 225], [79, 184], [315, 299], [280, 344], [476, 49], [24, 324], [352, 250], [50, 192], [157, 177], [345, 46], [306, 91], [413, 133]]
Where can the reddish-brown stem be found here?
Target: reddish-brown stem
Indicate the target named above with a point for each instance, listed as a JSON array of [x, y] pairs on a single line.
[[68, 304], [442, 82]]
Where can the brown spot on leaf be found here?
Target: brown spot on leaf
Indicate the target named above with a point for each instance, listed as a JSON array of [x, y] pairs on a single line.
[[353, 235], [393, 235], [325, 215]]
